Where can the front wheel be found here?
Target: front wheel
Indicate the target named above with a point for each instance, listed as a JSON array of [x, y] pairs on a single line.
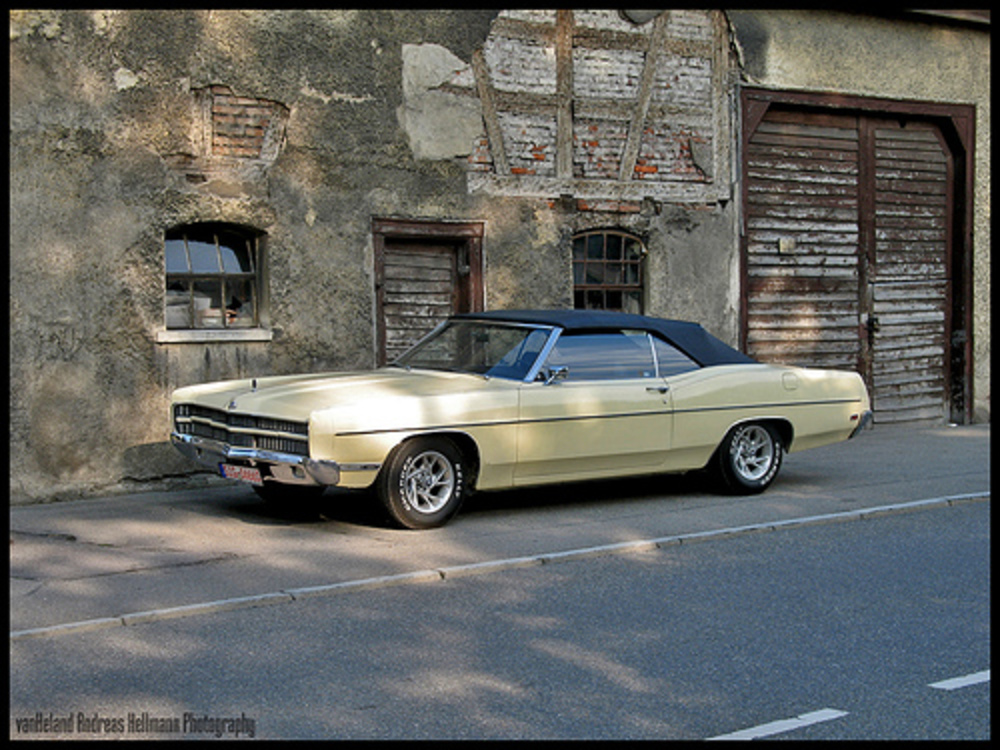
[[749, 458], [423, 483]]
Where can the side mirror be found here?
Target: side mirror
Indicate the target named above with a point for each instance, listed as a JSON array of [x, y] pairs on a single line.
[[556, 373]]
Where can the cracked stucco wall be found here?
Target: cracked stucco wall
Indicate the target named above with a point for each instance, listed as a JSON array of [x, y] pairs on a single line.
[[107, 151]]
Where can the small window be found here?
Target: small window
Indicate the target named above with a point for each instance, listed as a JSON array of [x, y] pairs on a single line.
[[607, 271], [212, 277]]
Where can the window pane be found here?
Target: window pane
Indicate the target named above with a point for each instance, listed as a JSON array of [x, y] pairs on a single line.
[[579, 251], [633, 303], [204, 257], [207, 304], [604, 356], [632, 274], [595, 273], [595, 247], [240, 303], [236, 255], [176, 256], [178, 305], [614, 247], [671, 360], [633, 249]]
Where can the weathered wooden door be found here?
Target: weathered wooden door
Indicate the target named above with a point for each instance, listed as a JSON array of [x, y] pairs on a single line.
[[905, 295], [848, 223], [424, 272]]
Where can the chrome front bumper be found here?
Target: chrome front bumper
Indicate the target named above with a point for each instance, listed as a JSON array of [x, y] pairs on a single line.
[[288, 468]]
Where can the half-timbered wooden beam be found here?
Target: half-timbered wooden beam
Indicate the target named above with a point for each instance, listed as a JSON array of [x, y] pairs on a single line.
[[657, 39], [564, 94], [493, 132]]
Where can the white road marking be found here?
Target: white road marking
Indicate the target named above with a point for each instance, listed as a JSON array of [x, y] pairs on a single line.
[[785, 725], [960, 682]]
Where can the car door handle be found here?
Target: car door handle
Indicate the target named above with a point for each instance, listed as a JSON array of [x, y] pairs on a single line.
[[658, 389]]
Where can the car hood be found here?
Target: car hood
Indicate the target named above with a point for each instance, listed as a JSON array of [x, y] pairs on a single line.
[[387, 392]]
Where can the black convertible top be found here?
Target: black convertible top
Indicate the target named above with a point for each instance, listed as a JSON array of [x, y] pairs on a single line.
[[690, 338]]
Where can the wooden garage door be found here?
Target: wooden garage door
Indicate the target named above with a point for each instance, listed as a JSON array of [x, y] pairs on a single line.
[[846, 252]]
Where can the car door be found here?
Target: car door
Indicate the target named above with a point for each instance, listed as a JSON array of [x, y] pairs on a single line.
[[608, 414]]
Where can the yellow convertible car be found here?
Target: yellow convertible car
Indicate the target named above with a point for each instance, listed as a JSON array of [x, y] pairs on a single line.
[[508, 399]]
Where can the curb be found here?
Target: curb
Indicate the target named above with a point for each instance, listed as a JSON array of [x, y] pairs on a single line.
[[286, 596]]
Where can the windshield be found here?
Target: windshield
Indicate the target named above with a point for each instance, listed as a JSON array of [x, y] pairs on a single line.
[[481, 348]]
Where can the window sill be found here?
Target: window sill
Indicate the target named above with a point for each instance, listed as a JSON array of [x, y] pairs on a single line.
[[213, 336]]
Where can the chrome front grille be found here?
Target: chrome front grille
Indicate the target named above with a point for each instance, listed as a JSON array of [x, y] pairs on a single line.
[[242, 430]]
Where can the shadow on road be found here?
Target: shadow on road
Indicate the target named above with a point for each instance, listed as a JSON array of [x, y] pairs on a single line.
[[362, 507]]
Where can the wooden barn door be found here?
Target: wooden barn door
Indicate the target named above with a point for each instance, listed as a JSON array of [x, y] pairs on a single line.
[[801, 240], [424, 272], [848, 225], [905, 301]]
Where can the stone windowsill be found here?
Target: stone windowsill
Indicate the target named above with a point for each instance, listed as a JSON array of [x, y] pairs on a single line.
[[213, 336]]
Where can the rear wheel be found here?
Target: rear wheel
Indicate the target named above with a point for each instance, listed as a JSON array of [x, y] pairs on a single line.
[[422, 484], [749, 458]]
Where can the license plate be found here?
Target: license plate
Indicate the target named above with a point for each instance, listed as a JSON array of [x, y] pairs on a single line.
[[241, 473]]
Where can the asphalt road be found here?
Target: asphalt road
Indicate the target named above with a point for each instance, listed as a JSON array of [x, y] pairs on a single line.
[[842, 628], [173, 589]]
